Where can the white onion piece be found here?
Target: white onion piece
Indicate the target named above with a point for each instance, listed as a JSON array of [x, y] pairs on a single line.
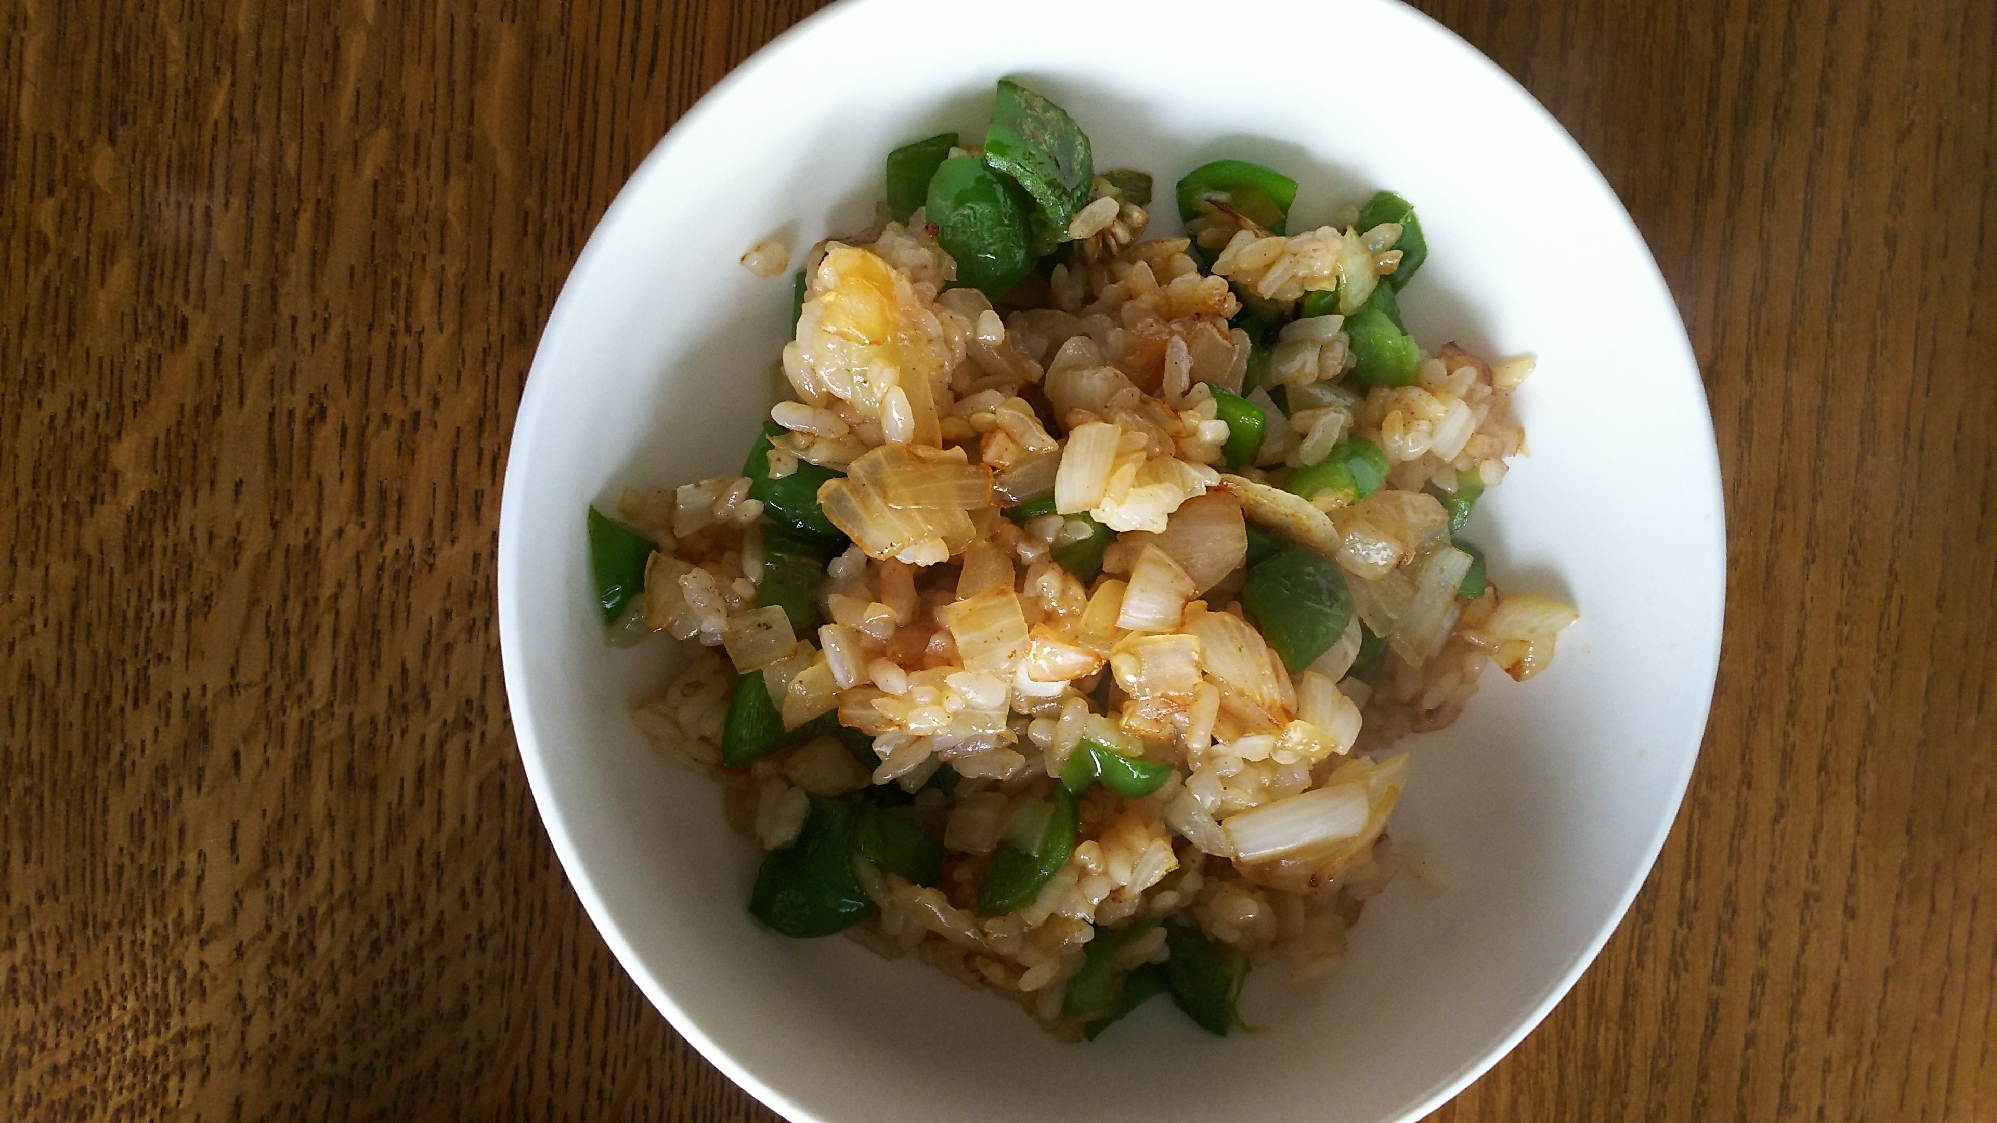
[[990, 631], [1086, 464], [1155, 600], [1287, 825], [1207, 537], [1432, 609], [1379, 604], [1338, 658]]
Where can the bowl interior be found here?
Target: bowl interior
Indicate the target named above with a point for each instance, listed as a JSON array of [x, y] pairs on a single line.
[[1535, 817]]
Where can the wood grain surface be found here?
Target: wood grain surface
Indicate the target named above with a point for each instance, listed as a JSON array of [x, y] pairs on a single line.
[[270, 280]]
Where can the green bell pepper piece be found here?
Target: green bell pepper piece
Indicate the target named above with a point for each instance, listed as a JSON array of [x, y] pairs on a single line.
[[910, 168], [617, 557], [1132, 186], [1299, 601], [888, 839], [755, 726], [1474, 578], [1385, 206], [980, 219], [1260, 194], [1383, 354], [1461, 502], [808, 888], [1015, 876], [1263, 543], [1127, 776], [1035, 142], [1355, 468], [1140, 986], [1371, 647], [1205, 979], [1245, 424]]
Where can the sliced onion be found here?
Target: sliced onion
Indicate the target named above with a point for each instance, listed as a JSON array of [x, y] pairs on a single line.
[[1338, 658], [1301, 821], [990, 631], [986, 567], [1152, 666], [1086, 464], [1155, 600], [1207, 537], [1098, 630], [1432, 610], [1027, 478], [756, 639], [1379, 604], [1239, 660]]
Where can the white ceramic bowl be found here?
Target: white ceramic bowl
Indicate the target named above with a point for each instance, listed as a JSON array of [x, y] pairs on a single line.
[[1540, 811]]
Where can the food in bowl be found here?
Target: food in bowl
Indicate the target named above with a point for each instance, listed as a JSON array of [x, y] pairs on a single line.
[[1127, 563]]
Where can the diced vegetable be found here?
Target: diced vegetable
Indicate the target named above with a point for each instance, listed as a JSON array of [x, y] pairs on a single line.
[[1245, 423], [755, 726], [1298, 822], [1371, 647], [1474, 580], [1383, 354], [1080, 546], [1354, 469], [1261, 195], [1140, 986], [1384, 299], [1257, 330], [793, 569], [808, 889], [1426, 621], [1298, 599], [1129, 776], [1462, 501], [1092, 989], [1319, 303], [792, 500], [1134, 186], [1263, 542], [891, 841], [980, 219], [910, 168], [1035, 142], [1023, 513], [1205, 979], [1016, 874], [1385, 206], [1207, 536], [617, 557]]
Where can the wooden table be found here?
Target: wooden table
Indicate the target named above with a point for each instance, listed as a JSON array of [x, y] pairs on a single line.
[[270, 281]]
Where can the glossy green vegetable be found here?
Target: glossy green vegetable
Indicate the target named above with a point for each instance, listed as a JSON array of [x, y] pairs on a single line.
[[1299, 601], [1092, 990], [1037, 507], [1205, 979], [617, 557], [861, 748], [1131, 777], [1318, 303], [888, 839], [792, 500], [1259, 194], [1462, 501], [910, 168], [1257, 330], [1474, 578], [1257, 307], [1140, 986], [1035, 142], [1132, 186], [1245, 423], [1354, 468], [797, 289], [1389, 207], [1015, 876], [1383, 354], [1371, 647], [755, 726], [1263, 543], [1082, 557], [808, 888], [793, 569], [980, 219]]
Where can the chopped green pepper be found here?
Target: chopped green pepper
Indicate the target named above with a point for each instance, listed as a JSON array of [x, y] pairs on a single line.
[[792, 500], [1320, 302], [1140, 986], [1383, 354], [1474, 578], [1015, 876], [1082, 557], [1460, 502], [1299, 601], [1385, 206], [1035, 142], [1263, 542], [1127, 776], [1039, 506], [1259, 194], [793, 569], [755, 726], [1354, 468], [889, 840], [1132, 186], [617, 558], [980, 219], [1245, 422], [1371, 647], [1205, 979], [1257, 330], [1092, 989], [910, 168], [808, 888]]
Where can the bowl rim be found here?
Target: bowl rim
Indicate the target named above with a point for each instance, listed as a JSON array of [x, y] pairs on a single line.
[[540, 385]]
